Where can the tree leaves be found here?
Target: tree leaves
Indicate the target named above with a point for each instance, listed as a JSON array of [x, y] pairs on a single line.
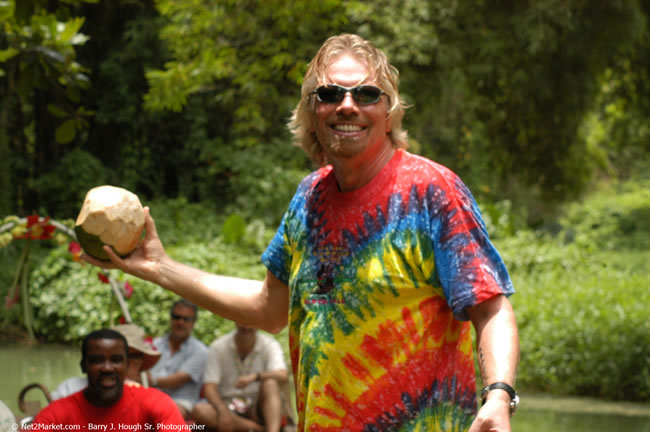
[[66, 132]]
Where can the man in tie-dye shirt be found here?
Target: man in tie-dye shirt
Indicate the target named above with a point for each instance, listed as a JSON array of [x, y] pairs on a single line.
[[378, 267]]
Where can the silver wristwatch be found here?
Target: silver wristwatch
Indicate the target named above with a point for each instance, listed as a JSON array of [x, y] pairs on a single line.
[[514, 397]]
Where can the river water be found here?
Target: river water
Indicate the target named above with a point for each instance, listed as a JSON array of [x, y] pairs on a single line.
[[51, 364]]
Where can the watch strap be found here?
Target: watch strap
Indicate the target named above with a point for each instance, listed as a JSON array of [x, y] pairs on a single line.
[[514, 397]]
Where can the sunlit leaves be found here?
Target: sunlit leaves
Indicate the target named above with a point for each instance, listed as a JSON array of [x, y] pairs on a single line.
[[234, 228], [8, 53]]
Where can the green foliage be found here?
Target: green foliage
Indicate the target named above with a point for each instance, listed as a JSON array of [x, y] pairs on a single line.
[[67, 183], [582, 297], [265, 179], [38, 62], [233, 228], [501, 220], [506, 88], [69, 299], [615, 128], [240, 51]]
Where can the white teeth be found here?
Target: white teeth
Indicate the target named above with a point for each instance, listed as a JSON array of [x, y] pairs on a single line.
[[347, 128]]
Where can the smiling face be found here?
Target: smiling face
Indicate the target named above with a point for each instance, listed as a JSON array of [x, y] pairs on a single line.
[[346, 129], [105, 365]]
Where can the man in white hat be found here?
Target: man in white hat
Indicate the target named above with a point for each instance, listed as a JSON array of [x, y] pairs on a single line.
[[142, 353]]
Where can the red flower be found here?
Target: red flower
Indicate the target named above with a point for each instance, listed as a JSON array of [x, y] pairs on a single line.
[[38, 228], [122, 320], [75, 249], [128, 289], [102, 277], [32, 220]]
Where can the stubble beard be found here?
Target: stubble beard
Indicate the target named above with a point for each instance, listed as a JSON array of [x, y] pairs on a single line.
[[342, 147]]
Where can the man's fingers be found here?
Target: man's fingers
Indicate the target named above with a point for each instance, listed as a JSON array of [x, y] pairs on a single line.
[[115, 259], [149, 224], [107, 265]]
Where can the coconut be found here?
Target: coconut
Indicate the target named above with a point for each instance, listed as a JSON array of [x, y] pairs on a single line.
[[109, 216]]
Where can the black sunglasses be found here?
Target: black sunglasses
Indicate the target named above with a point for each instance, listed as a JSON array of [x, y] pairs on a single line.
[[363, 94], [181, 317]]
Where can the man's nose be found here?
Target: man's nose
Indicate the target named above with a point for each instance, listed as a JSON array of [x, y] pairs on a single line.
[[107, 366], [348, 104]]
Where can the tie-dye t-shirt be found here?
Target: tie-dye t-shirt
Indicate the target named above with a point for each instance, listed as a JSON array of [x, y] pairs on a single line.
[[380, 279]]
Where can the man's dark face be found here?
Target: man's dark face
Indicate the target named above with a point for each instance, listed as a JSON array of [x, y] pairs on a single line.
[[105, 365]]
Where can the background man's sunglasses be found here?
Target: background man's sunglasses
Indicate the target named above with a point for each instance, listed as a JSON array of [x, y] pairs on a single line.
[[363, 95], [181, 317]]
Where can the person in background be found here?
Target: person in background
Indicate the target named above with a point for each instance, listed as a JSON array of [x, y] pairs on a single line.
[[7, 419], [244, 374], [179, 371], [106, 400], [381, 266], [142, 356]]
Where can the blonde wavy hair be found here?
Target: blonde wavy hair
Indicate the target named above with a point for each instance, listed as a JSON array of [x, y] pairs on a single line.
[[387, 78]]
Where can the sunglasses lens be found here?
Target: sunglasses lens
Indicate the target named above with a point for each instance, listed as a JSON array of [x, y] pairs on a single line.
[[330, 94], [183, 318], [366, 94], [363, 95]]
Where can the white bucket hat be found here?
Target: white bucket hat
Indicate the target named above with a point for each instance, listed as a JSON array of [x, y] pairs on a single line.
[[135, 337]]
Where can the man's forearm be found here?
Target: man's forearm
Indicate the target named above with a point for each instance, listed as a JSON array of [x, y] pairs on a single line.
[[214, 398], [226, 296], [172, 381], [498, 356], [280, 375], [249, 302], [497, 340], [257, 304]]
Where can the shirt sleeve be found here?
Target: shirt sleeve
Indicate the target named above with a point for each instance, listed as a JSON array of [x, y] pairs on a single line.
[[277, 256], [195, 365], [69, 386], [467, 263], [212, 371], [275, 356]]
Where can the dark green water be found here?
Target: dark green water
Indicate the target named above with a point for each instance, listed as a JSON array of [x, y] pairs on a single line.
[[51, 364], [46, 364]]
